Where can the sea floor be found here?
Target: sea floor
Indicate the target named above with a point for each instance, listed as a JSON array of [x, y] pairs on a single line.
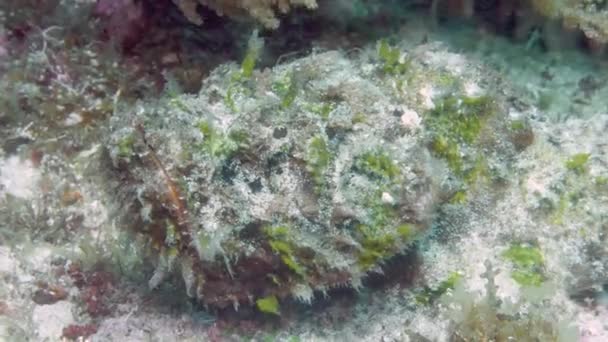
[[555, 207]]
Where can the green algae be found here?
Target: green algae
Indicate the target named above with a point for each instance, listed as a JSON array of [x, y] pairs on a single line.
[[429, 295], [377, 164], [390, 58], [269, 305], [460, 119], [125, 146], [443, 148], [219, 145], [376, 249], [281, 242], [455, 125], [322, 109], [287, 89], [578, 163], [527, 262], [254, 49], [318, 159], [460, 197], [381, 237]]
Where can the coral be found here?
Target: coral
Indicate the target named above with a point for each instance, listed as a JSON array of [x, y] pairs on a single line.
[[263, 11], [589, 16]]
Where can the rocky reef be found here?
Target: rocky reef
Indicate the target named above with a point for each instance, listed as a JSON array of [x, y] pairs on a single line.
[[304, 177]]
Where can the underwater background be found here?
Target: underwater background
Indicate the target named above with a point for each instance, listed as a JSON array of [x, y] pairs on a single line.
[[303, 170]]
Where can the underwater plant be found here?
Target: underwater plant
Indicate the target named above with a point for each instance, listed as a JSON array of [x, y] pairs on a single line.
[[489, 319], [528, 264]]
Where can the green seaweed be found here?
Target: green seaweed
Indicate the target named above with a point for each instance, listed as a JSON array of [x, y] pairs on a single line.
[[527, 277], [281, 247], [287, 89], [461, 118], [527, 262], [406, 231], [460, 197], [358, 118], [562, 206], [245, 72], [524, 255], [290, 261], [322, 109], [248, 64], [601, 181], [428, 295], [290, 95], [125, 146], [269, 305], [375, 248], [518, 125], [578, 162], [229, 98], [254, 47], [277, 232], [390, 58], [220, 145], [449, 151], [318, 159], [456, 121], [478, 172], [381, 214], [378, 240], [377, 164], [280, 242]]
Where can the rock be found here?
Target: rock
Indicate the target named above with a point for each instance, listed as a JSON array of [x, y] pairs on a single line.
[[50, 320], [326, 156]]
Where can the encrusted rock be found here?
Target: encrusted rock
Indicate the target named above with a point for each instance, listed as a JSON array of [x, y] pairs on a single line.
[[309, 186]]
